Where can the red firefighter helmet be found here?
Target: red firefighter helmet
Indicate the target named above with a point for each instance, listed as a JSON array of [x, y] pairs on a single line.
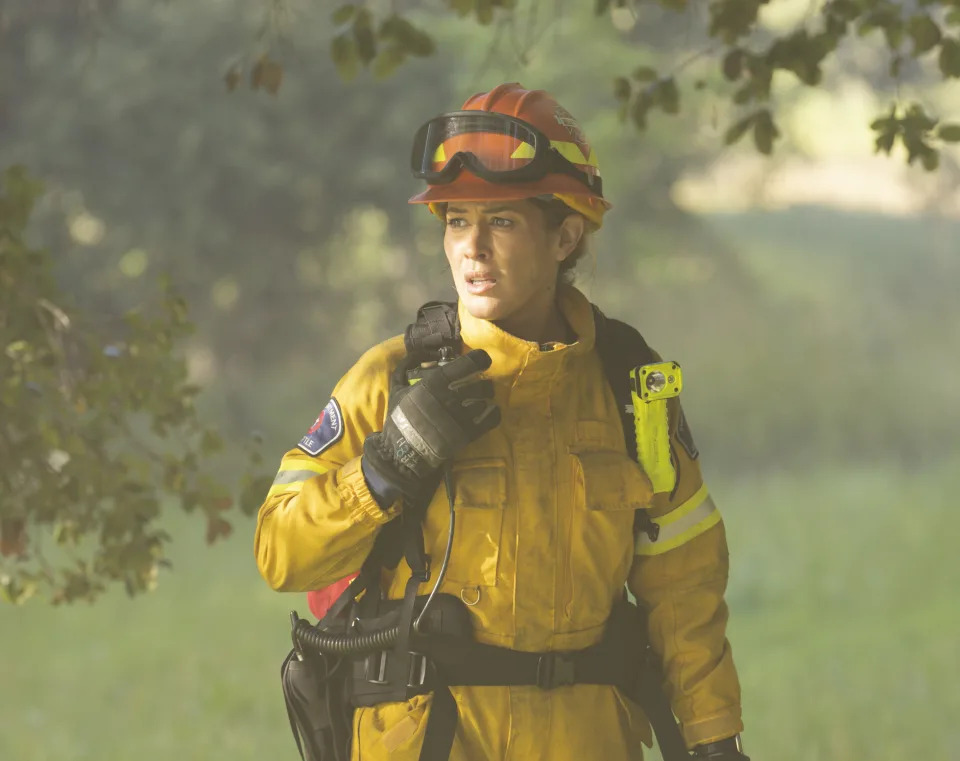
[[507, 144]]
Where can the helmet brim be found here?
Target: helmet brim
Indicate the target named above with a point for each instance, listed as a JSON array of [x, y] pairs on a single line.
[[469, 187]]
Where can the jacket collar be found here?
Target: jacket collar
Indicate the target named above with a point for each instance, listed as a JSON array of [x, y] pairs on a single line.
[[512, 356]]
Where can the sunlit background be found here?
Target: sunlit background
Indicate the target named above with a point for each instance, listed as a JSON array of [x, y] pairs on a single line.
[[811, 298]]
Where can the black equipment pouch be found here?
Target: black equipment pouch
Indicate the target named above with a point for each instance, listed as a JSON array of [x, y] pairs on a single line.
[[314, 688]]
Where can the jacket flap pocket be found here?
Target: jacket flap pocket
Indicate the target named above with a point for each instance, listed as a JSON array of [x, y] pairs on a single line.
[[612, 481], [480, 483], [480, 488]]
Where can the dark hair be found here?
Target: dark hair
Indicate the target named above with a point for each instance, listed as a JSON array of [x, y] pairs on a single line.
[[554, 212]]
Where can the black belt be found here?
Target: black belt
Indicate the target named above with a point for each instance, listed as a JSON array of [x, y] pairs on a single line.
[[438, 662], [453, 661]]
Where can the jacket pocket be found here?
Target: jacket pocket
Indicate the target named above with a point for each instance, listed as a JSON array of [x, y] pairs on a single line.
[[608, 487], [391, 731], [480, 488]]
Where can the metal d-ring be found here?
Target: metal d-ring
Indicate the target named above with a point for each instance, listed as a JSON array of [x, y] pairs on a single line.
[[470, 604]]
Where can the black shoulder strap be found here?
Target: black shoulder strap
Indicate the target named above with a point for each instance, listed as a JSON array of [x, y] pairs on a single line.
[[621, 348]]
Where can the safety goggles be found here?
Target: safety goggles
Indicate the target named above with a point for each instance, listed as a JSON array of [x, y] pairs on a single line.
[[493, 146]]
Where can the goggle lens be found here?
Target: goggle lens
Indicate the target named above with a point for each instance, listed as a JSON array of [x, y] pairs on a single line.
[[497, 145]]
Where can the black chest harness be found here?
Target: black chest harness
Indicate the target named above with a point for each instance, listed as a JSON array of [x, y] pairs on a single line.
[[367, 650]]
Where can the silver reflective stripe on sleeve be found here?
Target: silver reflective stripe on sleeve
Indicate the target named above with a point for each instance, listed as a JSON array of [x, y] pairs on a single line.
[[680, 525], [290, 476], [293, 480]]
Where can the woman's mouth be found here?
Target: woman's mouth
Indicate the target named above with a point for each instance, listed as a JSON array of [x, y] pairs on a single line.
[[479, 283]]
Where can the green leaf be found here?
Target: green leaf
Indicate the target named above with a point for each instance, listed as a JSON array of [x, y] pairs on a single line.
[[462, 7], [950, 57], [668, 96], [764, 132], [641, 107], [885, 140], [744, 95], [739, 129], [930, 159], [410, 39], [924, 32], [364, 36], [896, 64], [387, 61], [343, 51], [645, 74], [949, 133], [343, 14], [845, 10], [621, 89], [917, 120], [733, 64], [484, 12]]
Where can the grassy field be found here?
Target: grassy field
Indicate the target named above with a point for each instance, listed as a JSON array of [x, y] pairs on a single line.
[[844, 627]]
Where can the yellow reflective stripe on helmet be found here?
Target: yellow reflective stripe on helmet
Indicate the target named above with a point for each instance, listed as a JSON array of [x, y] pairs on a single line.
[[292, 479], [524, 151], [679, 526], [439, 155], [570, 151]]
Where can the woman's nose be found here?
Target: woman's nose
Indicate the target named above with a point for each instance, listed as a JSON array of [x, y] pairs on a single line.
[[476, 244]]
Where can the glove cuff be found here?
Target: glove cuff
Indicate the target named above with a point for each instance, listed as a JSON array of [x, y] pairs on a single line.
[[383, 491], [728, 749]]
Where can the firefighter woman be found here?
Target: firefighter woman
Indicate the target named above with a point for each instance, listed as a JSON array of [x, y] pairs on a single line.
[[522, 434]]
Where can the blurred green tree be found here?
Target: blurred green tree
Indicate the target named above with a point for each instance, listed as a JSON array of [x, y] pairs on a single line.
[[749, 54], [279, 212], [98, 431]]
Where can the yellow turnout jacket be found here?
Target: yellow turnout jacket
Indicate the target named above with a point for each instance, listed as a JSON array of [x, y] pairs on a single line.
[[543, 546]]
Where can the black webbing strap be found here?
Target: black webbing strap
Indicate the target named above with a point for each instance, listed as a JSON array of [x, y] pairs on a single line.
[[621, 348], [401, 666], [369, 576]]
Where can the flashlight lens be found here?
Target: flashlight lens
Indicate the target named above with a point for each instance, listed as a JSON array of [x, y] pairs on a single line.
[[656, 382]]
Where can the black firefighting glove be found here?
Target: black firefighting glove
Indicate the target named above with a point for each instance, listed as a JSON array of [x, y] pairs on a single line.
[[721, 750], [427, 424]]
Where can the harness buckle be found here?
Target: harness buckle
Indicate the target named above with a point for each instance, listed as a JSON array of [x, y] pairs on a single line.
[[375, 668], [555, 670], [418, 670]]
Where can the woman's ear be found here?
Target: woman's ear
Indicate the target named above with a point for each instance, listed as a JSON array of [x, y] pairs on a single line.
[[569, 235]]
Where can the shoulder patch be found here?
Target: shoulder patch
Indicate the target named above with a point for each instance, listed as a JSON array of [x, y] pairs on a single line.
[[685, 437], [326, 430]]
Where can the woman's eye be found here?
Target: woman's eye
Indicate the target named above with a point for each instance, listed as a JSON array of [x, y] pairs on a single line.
[[455, 222], [501, 222]]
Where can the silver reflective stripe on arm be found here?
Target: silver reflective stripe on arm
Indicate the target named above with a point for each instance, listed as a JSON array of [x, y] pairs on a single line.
[[680, 525], [293, 480]]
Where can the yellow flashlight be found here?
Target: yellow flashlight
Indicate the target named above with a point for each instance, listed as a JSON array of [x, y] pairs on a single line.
[[650, 388]]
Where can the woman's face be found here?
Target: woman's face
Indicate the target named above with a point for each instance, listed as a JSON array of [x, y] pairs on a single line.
[[504, 260]]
